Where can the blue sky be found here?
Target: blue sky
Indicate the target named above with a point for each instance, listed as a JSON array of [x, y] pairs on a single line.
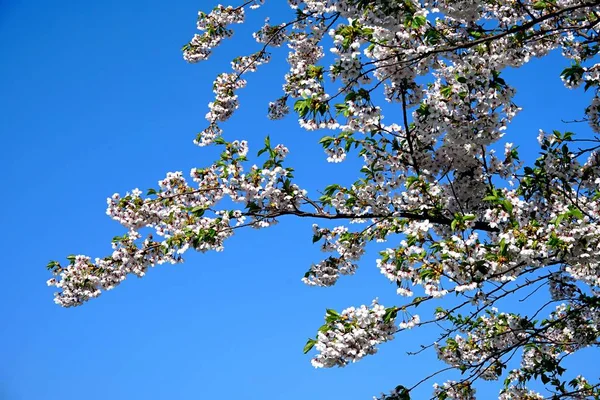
[[96, 99]]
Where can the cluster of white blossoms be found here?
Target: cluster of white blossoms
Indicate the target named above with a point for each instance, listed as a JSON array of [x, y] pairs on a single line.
[[458, 215], [348, 65], [273, 35], [487, 338], [452, 390], [517, 393], [217, 21], [249, 63], [349, 246], [352, 335], [278, 109], [226, 101], [183, 215]]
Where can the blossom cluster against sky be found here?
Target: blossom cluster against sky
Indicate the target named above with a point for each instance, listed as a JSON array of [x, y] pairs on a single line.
[[97, 99]]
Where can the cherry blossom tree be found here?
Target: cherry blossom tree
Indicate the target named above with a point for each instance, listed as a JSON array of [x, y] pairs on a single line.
[[459, 217]]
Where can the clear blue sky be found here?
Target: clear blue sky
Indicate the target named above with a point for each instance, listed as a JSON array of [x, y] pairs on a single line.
[[95, 99]]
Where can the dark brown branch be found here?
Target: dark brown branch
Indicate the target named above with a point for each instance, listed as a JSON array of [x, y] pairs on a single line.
[[479, 225]]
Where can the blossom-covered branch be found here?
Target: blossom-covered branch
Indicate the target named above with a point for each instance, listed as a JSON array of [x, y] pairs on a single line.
[[458, 216]]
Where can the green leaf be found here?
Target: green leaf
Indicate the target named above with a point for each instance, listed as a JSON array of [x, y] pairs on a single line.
[[302, 107], [559, 219], [502, 247], [572, 74], [253, 207], [309, 345], [52, 264], [446, 91], [402, 393], [425, 274], [117, 239], [418, 300], [417, 21], [198, 211], [332, 312], [575, 212], [475, 34], [390, 314], [432, 36], [454, 224], [326, 140], [330, 189], [507, 205]]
